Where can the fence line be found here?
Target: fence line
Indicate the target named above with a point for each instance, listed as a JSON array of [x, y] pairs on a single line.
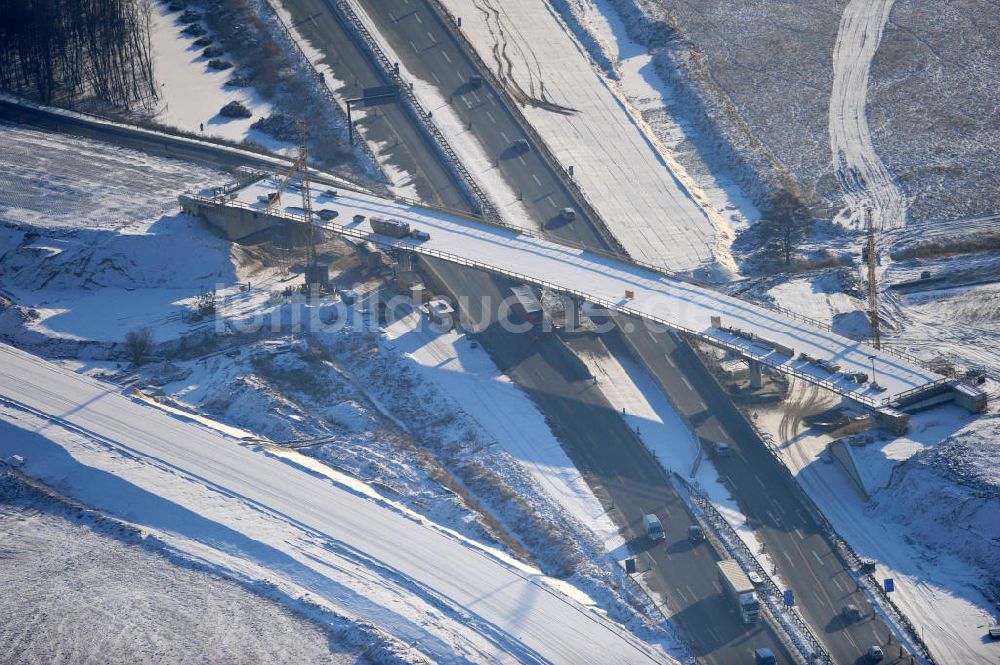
[[812, 651], [321, 81], [481, 203], [848, 557]]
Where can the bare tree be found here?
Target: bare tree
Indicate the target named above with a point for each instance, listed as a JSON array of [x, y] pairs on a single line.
[[785, 223], [58, 48], [139, 345]]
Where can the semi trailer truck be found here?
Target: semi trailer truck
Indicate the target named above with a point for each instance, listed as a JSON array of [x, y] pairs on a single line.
[[737, 587]]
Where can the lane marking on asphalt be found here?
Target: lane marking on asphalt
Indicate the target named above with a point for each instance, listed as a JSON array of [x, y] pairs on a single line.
[[777, 506], [523, 163], [790, 562], [537, 181], [687, 383], [821, 601], [691, 591], [504, 137], [798, 532], [837, 584], [431, 37], [774, 518], [816, 555], [490, 116], [468, 104], [759, 481], [711, 631], [444, 54], [878, 640], [681, 594], [650, 333], [551, 202], [416, 15], [717, 586], [414, 47], [474, 96], [436, 79]]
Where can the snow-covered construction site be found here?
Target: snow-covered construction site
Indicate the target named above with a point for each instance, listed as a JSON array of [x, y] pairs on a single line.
[[518, 331]]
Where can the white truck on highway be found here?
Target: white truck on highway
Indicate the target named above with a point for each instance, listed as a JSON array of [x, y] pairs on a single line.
[[737, 587]]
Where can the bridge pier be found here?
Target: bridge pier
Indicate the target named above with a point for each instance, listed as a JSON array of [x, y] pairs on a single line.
[[405, 260], [574, 308], [756, 374]]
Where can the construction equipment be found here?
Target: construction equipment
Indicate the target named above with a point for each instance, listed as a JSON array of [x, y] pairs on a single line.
[[872, 284], [300, 168]]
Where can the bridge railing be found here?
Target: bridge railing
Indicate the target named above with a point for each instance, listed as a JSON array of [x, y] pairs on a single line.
[[617, 306]]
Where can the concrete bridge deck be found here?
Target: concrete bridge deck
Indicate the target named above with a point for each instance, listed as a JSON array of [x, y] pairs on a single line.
[[779, 339]]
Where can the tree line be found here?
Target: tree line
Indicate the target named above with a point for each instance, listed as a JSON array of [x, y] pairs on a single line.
[[64, 48]]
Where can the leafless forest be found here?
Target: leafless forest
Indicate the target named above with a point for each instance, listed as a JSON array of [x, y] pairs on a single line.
[[64, 49]]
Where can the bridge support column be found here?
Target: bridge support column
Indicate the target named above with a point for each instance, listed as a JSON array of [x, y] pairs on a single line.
[[573, 307], [405, 260], [756, 375]]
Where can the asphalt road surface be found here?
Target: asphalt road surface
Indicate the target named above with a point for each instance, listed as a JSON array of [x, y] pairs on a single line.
[[389, 128], [611, 456], [594, 435], [804, 557], [428, 51]]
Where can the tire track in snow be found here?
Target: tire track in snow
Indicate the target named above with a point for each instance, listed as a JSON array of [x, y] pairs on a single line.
[[863, 177]]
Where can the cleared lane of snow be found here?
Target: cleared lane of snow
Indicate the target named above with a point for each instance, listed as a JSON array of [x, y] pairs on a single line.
[[657, 217], [603, 280], [366, 559], [863, 177]]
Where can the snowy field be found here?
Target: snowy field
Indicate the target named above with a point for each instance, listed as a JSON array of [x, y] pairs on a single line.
[[79, 590], [469, 377], [761, 73], [91, 235], [315, 537], [932, 107], [864, 179]]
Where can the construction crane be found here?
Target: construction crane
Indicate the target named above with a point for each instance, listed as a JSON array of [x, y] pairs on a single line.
[[872, 284], [300, 168]]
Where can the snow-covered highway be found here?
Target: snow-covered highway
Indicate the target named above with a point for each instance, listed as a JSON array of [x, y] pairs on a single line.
[[252, 515]]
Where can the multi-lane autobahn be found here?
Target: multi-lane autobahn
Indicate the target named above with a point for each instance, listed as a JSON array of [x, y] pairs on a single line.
[[804, 557], [595, 436]]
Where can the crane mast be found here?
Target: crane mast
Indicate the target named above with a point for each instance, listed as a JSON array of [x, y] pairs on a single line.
[[300, 168], [872, 284]]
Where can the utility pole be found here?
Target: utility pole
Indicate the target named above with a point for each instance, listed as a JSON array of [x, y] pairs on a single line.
[[872, 284], [303, 164]]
